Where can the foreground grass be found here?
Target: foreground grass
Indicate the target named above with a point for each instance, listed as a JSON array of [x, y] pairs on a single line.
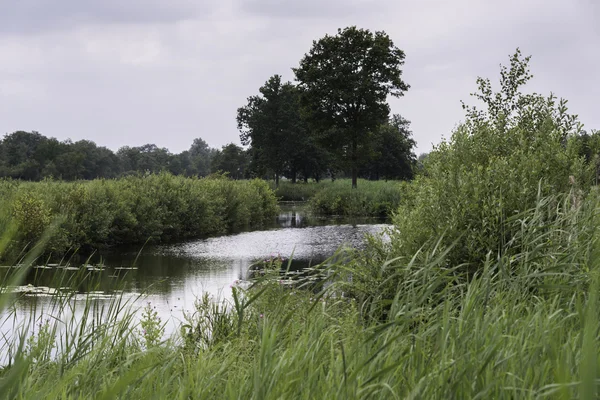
[[524, 326], [134, 209]]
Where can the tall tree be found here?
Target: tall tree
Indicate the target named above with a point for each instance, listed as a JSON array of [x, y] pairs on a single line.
[[345, 81], [271, 124]]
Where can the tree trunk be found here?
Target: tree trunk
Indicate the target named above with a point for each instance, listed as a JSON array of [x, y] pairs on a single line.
[[354, 162], [294, 176], [277, 180]]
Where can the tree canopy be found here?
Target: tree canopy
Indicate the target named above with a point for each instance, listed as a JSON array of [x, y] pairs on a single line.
[[272, 125], [33, 156], [344, 81]]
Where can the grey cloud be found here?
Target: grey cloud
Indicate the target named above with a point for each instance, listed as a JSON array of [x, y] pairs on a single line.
[[35, 16], [312, 9]]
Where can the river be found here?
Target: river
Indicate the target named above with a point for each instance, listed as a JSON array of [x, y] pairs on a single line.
[[171, 277]]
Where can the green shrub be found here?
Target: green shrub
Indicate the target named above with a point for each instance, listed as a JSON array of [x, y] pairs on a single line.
[[496, 165], [134, 209]]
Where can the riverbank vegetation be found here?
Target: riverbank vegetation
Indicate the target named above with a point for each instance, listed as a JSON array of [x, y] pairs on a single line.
[[372, 199], [135, 209], [487, 288], [524, 326]]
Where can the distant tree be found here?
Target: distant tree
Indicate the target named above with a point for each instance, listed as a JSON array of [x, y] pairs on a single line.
[[589, 149], [181, 164], [392, 151], [311, 160], [200, 156], [420, 165], [146, 158], [32, 156], [232, 159], [345, 81], [272, 125], [85, 160], [20, 157]]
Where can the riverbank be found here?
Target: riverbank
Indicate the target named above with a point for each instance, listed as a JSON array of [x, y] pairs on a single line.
[[371, 198], [131, 210]]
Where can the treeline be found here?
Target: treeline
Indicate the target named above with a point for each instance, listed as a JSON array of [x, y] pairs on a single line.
[[32, 156]]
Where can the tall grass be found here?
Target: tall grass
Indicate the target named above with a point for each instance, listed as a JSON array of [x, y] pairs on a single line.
[[371, 198], [159, 207], [299, 191], [488, 288]]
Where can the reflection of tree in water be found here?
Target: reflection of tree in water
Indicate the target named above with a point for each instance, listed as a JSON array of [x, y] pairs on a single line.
[[291, 219]]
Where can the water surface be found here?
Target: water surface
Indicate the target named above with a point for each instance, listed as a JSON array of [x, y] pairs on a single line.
[[172, 276]]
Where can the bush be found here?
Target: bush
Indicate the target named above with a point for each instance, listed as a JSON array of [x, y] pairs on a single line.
[[134, 209], [497, 165]]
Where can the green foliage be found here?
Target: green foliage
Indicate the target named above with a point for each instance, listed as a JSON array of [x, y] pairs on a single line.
[[32, 216], [134, 209], [288, 191], [392, 151], [374, 198], [210, 325], [152, 329], [434, 336], [233, 160], [41, 344], [200, 158], [497, 164], [33, 157], [344, 82], [487, 288], [272, 125]]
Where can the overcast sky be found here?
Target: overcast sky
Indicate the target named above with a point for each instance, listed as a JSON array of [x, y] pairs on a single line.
[[130, 72]]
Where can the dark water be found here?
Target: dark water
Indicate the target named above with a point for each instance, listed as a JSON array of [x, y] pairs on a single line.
[[171, 277]]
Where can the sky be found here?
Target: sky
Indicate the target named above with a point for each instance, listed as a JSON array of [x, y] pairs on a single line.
[[131, 72]]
